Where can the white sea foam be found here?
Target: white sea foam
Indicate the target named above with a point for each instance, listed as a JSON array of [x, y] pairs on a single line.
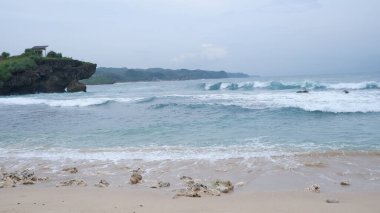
[[254, 148], [324, 101], [282, 85], [75, 102]]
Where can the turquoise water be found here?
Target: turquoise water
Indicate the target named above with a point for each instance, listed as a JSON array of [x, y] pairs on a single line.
[[201, 119]]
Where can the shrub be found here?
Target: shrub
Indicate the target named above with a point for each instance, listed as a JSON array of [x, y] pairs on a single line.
[[15, 64], [53, 54], [5, 55], [30, 52]]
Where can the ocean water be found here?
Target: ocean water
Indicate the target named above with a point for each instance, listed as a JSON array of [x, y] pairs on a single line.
[[199, 119], [254, 130]]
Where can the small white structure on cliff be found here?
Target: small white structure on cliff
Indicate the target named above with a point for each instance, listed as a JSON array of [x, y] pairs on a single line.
[[40, 49]]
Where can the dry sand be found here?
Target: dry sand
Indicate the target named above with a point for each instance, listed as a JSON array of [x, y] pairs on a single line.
[[78, 199]]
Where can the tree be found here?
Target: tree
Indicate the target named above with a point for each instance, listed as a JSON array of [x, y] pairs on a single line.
[[5, 55], [53, 54], [30, 51]]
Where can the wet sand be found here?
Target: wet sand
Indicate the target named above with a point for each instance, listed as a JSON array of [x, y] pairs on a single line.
[[261, 185], [74, 199]]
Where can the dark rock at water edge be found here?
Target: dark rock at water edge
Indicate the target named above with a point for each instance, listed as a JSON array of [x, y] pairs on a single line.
[[49, 76], [76, 86]]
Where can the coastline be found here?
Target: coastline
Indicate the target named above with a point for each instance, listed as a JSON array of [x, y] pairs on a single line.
[[262, 187], [275, 173]]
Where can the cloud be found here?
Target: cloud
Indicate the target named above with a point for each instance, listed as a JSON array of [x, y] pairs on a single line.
[[296, 4], [206, 52]]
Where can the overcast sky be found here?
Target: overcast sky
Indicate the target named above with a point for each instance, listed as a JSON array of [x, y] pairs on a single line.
[[266, 37]]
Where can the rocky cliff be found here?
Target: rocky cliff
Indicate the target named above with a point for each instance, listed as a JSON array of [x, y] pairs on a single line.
[[48, 75]]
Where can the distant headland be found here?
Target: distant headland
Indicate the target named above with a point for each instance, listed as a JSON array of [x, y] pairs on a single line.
[[105, 75], [34, 71]]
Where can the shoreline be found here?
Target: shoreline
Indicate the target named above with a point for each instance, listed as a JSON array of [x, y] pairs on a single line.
[[287, 173], [262, 186]]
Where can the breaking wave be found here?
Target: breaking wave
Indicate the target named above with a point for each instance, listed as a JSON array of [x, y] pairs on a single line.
[[280, 85], [319, 101], [82, 102]]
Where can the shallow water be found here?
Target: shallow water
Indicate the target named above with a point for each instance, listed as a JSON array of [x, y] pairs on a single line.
[[200, 122]]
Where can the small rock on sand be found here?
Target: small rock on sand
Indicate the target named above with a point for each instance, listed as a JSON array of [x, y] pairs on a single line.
[[102, 184], [73, 182], [161, 184], [314, 188], [223, 186], [136, 176], [72, 170], [332, 201], [28, 182], [26, 177], [197, 189], [345, 183], [43, 179], [7, 183]]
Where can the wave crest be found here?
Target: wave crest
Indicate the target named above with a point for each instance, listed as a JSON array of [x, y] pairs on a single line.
[[280, 85], [78, 102]]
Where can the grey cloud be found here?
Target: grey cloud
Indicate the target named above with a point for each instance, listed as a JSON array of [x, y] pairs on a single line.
[[273, 37]]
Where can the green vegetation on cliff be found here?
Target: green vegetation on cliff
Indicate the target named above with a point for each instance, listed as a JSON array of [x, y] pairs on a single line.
[[26, 61], [31, 72], [113, 75], [15, 64]]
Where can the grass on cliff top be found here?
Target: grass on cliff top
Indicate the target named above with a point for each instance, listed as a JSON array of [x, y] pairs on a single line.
[[15, 64], [20, 63]]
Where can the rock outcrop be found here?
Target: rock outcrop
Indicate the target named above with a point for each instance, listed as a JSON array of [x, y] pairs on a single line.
[[196, 189], [49, 76], [25, 177]]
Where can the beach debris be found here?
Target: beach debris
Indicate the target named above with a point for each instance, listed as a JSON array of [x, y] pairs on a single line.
[[136, 176], [223, 186], [332, 201], [161, 184], [72, 170], [25, 177], [314, 188], [102, 184], [345, 183], [73, 182]]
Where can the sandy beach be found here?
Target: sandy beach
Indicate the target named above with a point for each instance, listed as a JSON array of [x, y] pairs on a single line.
[[74, 199], [253, 190]]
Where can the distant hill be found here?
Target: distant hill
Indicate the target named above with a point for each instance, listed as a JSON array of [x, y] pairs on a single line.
[[105, 75]]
